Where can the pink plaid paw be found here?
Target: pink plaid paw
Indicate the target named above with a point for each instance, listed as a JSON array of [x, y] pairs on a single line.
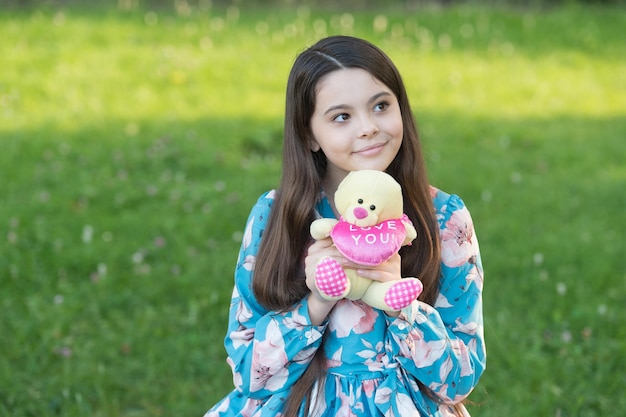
[[331, 279], [402, 293]]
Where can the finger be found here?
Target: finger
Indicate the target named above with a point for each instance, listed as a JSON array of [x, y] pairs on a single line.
[[320, 245], [374, 274]]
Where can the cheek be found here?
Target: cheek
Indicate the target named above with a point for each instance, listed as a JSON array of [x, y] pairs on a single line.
[[329, 141], [398, 127], [333, 148], [320, 138], [393, 125]]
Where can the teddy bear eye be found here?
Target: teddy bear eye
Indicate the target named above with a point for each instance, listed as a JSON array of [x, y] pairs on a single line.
[[372, 207], [360, 201]]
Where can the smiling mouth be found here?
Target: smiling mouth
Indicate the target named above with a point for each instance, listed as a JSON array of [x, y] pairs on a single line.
[[370, 149]]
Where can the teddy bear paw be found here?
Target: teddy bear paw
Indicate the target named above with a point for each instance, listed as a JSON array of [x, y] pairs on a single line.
[[403, 293], [331, 279]]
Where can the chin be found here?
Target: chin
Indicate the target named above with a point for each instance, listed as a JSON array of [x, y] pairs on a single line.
[[378, 166]]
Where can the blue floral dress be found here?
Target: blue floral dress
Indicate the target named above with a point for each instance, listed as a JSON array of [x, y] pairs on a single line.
[[374, 361]]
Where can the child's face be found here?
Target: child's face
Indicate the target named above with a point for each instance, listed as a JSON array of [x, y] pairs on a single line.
[[357, 123]]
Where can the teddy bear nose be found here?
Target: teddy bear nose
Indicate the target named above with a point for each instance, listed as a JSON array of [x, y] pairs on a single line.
[[360, 213]]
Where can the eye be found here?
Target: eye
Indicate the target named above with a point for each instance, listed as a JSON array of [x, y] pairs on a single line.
[[372, 207], [381, 106], [341, 117], [360, 201]]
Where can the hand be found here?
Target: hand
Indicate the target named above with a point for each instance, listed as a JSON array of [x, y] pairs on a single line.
[[389, 270], [319, 307]]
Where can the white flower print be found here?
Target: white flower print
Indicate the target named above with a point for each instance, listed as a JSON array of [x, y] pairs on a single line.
[[247, 234], [249, 262], [237, 380], [235, 294], [344, 408], [335, 359], [243, 335], [383, 397], [461, 351], [457, 239], [444, 373], [295, 320], [416, 312], [304, 356], [244, 314], [469, 328], [475, 275], [374, 356], [250, 408], [269, 360], [425, 353], [445, 369], [318, 402], [442, 302], [355, 316], [406, 407]]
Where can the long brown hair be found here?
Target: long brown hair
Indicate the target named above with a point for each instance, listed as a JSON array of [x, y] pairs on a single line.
[[278, 280]]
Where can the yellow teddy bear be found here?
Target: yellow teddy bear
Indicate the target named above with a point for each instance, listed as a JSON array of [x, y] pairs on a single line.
[[371, 229]]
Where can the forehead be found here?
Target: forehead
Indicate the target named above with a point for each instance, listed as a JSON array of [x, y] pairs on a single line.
[[347, 85]]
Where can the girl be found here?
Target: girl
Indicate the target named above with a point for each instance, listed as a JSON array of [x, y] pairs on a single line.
[[294, 353]]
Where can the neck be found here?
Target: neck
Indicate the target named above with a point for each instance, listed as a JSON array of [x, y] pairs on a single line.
[[329, 189]]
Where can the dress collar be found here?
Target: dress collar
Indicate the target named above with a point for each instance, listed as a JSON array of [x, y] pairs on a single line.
[[323, 209]]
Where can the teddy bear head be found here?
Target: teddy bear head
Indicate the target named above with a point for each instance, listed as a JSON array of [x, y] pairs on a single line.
[[368, 197]]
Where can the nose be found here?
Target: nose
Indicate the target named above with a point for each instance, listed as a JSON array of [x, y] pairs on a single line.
[[360, 213], [368, 127]]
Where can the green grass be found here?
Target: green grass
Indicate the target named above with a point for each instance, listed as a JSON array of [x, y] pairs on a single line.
[[134, 142]]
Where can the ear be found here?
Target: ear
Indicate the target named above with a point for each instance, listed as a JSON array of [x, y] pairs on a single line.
[[313, 145]]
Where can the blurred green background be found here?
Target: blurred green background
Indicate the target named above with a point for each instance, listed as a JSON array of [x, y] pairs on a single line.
[[135, 137]]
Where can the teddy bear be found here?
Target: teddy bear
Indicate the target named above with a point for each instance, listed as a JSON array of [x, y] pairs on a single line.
[[371, 229]]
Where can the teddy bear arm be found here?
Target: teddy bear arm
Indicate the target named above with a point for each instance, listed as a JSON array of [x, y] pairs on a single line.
[[321, 228], [375, 294], [358, 285], [411, 233]]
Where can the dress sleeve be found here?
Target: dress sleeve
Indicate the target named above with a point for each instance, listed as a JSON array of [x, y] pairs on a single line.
[[267, 350], [443, 346]]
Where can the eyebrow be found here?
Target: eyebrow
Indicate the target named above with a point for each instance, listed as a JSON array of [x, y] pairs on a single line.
[[345, 106]]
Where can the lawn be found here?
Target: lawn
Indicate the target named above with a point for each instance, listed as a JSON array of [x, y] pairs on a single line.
[[133, 142]]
